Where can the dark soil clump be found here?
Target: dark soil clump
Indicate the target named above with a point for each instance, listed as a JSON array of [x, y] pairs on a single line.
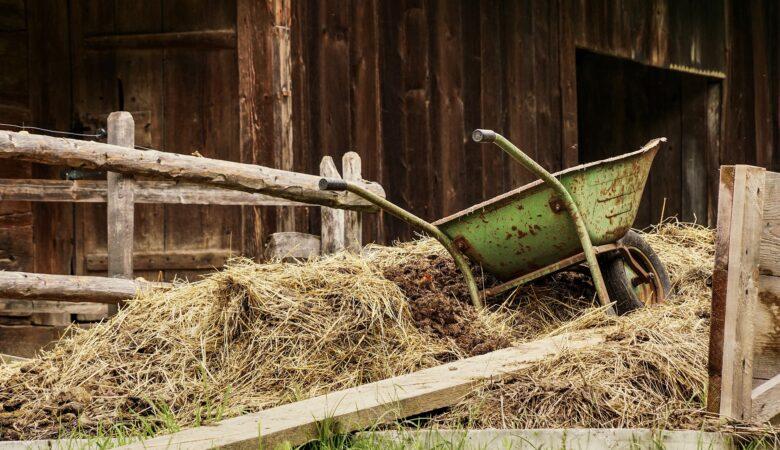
[[440, 302]]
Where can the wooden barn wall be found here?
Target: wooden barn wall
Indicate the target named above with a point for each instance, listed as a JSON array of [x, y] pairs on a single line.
[[435, 70], [401, 82]]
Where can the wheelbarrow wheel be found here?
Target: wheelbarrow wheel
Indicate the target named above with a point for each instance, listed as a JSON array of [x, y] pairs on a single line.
[[632, 287]]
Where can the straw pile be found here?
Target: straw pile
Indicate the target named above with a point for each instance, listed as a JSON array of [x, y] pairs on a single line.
[[650, 374], [258, 335], [247, 338]]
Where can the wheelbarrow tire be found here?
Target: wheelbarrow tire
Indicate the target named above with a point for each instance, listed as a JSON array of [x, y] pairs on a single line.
[[617, 282]]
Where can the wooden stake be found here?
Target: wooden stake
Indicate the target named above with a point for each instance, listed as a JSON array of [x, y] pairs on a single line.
[[121, 131], [332, 227], [353, 222]]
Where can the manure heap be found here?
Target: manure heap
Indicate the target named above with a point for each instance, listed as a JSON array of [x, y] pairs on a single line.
[[253, 336]]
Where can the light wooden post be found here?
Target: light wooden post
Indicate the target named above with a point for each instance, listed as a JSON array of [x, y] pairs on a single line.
[[735, 290], [121, 131], [353, 222], [282, 110], [332, 228]]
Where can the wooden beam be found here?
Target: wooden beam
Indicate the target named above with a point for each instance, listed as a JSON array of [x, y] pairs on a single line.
[[120, 205], [766, 401], [165, 260], [214, 172], [201, 39], [735, 290], [332, 220], [353, 223], [371, 404], [70, 288], [166, 192]]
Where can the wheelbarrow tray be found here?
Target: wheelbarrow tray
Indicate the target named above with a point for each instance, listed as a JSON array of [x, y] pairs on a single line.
[[527, 230]]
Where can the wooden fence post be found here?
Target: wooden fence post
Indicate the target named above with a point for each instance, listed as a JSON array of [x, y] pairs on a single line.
[[353, 222], [121, 131], [332, 228], [735, 290]]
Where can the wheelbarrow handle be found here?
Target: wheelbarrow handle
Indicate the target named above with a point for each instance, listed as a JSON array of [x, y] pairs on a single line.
[[333, 184], [483, 136]]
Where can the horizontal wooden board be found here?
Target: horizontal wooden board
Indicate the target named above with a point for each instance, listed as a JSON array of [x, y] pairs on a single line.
[[163, 260], [766, 359], [165, 192], [769, 261], [766, 400], [370, 404]]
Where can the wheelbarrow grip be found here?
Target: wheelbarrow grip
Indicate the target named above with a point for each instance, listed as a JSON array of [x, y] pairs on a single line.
[[483, 136], [332, 184]]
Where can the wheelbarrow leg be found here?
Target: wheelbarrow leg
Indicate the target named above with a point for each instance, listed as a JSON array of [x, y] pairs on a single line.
[[488, 136], [460, 259]]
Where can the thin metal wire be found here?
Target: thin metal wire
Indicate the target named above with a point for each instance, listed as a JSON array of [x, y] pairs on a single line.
[[100, 134]]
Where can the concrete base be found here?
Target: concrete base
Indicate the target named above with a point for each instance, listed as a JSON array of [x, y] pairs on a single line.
[[551, 439]]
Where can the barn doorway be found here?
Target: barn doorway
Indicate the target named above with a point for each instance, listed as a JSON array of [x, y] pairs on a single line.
[[622, 104]]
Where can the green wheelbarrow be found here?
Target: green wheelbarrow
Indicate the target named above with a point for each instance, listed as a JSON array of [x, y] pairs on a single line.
[[582, 214]]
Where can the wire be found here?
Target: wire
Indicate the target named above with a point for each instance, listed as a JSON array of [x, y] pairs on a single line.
[[99, 135]]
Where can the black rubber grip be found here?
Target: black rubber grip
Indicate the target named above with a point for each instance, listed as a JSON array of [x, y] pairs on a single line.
[[332, 184], [480, 135]]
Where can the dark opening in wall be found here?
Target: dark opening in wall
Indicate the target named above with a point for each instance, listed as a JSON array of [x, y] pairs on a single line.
[[622, 104]]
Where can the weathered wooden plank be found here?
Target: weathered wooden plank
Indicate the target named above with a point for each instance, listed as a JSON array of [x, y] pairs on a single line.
[[66, 288], [766, 323], [6, 359], [353, 222], [292, 246], [24, 307], [254, 21], [365, 94], [166, 260], [282, 95], [332, 220], [770, 237], [495, 164], [199, 39], [447, 127], [694, 149], [227, 174], [713, 149], [154, 192], [370, 404], [120, 202], [735, 289], [766, 400], [51, 105], [567, 63]]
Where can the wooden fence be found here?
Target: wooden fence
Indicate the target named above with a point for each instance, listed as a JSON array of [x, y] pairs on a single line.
[[744, 360], [186, 180]]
